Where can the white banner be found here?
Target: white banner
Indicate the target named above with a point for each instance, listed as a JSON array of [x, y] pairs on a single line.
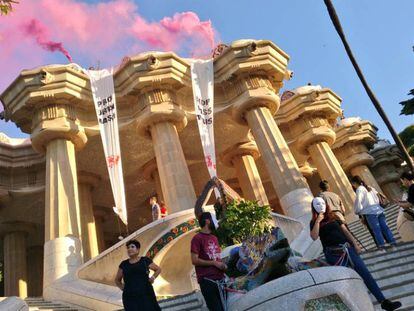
[[202, 75], [102, 85]]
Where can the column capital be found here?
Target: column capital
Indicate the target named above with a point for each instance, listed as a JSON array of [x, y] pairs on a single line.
[[352, 155], [251, 72], [250, 91], [311, 113], [44, 102], [239, 150], [159, 105], [56, 121], [88, 178], [8, 227]]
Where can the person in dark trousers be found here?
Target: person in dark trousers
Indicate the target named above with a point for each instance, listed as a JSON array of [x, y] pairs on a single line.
[[137, 291], [367, 203], [332, 199], [206, 257], [341, 248]]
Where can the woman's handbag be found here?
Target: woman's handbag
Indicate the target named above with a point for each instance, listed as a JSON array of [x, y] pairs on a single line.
[[383, 200]]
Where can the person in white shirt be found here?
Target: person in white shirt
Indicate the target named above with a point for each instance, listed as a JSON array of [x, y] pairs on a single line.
[[155, 209], [367, 204]]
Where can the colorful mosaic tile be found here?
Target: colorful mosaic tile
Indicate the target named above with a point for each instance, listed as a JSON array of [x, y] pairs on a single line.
[[170, 236], [327, 303]]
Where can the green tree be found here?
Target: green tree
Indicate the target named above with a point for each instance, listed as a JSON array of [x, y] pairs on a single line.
[[407, 137], [241, 220], [408, 105], [6, 6]]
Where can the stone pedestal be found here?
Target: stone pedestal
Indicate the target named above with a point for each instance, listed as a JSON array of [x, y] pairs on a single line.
[[15, 267], [242, 157], [86, 183], [161, 119]]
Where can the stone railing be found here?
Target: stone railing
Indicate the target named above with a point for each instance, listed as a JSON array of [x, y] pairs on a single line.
[[291, 227]]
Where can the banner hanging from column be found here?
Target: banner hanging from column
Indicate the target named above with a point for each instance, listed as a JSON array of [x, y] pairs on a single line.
[[202, 75], [103, 91]]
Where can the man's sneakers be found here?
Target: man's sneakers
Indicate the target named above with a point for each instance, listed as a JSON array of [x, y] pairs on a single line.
[[389, 305]]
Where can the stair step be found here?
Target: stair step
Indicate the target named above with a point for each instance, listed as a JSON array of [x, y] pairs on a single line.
[[399, 247], [189, 302], [39, 304]]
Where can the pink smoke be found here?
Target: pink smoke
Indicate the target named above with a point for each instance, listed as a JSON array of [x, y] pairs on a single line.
[[101, 32], [35, 29]]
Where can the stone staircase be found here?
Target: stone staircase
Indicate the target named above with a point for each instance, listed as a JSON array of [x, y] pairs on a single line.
[[363, 235], [39, 304], [393, 270], [190, 302]]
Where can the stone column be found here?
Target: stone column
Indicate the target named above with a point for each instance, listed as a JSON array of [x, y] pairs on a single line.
[[15, 268], [86, 183], [100, 214], [330, 169], [35, 272], [242, 157], [387, 162], [151, 174], [161, 120], [311, 113], [57, 133], [353, 138], [289, 184]]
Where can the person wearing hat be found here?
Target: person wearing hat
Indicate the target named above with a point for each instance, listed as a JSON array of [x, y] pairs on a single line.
[[341, 248], [206, 257]]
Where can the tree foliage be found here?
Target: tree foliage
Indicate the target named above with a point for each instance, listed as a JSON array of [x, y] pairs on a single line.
[[407, 137], [408, 105], [241, 220], [6, 6]]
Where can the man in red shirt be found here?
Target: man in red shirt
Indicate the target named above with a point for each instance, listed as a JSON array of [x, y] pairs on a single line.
[[205, 256]]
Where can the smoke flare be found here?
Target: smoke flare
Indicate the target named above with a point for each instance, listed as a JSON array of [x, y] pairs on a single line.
[[35, 29]]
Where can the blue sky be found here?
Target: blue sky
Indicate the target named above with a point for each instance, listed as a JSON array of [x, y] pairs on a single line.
[[380, 32]]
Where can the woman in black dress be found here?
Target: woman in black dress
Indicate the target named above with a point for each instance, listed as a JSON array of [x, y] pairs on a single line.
[[137, 291]]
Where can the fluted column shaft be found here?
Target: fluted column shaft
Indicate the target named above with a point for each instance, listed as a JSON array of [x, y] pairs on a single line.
[[249, 179], [62, 205], [284, 173], [330, 169], [175, 178], [35, 273], [100, 233], [15, 267]]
